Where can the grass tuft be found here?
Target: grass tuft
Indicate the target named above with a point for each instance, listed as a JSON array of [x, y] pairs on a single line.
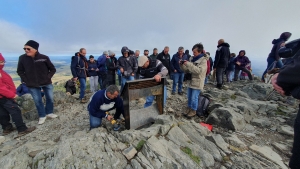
[[188, 151], [140, 145]]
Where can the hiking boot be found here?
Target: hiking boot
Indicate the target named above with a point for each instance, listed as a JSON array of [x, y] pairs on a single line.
[[51, 116], [29, 130], [42, 120], [187, 111], [8, 130], [192, 113], [173, 93], [83, 101], [117, 127], [180, 93]]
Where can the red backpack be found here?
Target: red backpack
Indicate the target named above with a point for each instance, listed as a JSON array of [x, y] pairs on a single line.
[[208, 67]]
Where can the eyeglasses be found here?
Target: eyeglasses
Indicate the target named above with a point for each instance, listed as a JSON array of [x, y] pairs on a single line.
[[27, 49]]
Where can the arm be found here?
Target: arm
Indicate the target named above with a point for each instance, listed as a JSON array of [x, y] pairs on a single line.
[[51, 68], [163, 71], [4, 91], [277, 57], [173, 60], [110, 66], [94, 107], [202, 67], [119, 107], [73, 66], [21, 70]]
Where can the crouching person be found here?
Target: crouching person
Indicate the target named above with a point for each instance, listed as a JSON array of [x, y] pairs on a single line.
[[152, 68], [197, 66], [103, 101], [8, 106]]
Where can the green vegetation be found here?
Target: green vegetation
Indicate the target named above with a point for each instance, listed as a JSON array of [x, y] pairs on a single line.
[[188, 151], [226, 158], [233, 97], [140, 145]]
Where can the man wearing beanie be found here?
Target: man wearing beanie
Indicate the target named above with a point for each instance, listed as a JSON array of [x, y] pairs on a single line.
[[8, 106], [152, 68], [36, 71]]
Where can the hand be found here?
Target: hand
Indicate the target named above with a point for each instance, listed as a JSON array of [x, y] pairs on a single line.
[[109, 117], [276, 87], [75, 78], [92, 69], [97, 70], [283, 44], [238, 63], [132, 74], [15, 96], [175, 71], [157, 78], [122, 70]]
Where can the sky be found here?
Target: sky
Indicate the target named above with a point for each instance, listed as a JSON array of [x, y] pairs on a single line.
[[63, 27]]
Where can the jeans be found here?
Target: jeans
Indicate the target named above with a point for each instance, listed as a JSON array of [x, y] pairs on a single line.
[[37, 97], [220, 76], [125, 79], [177, 78], [294, 161], [229, 75], [102, 80], [192, 95], [149, 99], [94, 83], [270, 61], [237, 71], [82, 81], [95, 121], [9, 108]]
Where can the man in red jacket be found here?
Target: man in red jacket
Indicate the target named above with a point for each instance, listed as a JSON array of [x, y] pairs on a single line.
[[8, 106]]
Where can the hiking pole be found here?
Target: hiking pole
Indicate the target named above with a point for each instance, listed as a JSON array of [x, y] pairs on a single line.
[[269, 95]]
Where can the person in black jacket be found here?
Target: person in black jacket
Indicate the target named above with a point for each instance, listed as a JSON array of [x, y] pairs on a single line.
[[274, 60], [187, 76], [93, 73], [111, 64], [70, 86], [221, 61], [287, 82], [165, 59], [78, 69], [36, 71]]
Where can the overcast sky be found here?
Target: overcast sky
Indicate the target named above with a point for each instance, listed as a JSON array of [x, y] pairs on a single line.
[[62, 27]]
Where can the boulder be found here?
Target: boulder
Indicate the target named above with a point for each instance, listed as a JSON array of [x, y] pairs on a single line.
[[226, 118], [261, 122]]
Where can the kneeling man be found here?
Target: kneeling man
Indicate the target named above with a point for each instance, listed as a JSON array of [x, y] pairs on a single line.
[[103, 101]]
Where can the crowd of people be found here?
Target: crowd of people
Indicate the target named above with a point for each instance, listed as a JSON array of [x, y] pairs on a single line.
[[36, 71]]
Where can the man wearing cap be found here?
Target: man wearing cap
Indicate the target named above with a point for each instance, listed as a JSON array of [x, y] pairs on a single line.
[[93, 72], [101, 63], [127, 65], [78, 69], [111, 64], [149, 68], [155, 53], [36, 71]]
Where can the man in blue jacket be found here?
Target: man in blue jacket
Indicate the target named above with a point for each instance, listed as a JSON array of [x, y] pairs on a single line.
[[178, 74], [101, 63], [103, 101], [230, 68]]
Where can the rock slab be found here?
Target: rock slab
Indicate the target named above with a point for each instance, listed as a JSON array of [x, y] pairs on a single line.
[[130, 152]]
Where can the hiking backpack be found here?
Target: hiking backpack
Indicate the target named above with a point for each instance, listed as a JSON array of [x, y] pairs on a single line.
[[203, 103]]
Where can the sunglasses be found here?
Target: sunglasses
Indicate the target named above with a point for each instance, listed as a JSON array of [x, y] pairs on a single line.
[[27, 49]]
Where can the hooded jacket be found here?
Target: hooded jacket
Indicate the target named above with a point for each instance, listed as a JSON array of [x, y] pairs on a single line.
[[222, 56], [198, 70], [244, 60], [129, 65], [175, 62], [92, 65], [165, 60], [101, 63], [7, 86], [276, 45], [35, 71]]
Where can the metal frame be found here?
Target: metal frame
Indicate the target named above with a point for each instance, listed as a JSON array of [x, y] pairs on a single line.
[[140, 89]]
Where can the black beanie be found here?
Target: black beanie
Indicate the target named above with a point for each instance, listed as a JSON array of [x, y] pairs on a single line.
[[32, 44]]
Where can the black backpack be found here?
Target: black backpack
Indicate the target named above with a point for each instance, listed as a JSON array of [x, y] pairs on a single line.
[[203, 103]]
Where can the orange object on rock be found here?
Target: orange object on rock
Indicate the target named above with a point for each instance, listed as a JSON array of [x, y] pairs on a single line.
[[208, 126]]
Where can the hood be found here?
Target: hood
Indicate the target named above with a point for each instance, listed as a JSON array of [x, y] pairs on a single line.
[[1, 59], [187, 52], [283, 37], [224, 44], [242, 51]]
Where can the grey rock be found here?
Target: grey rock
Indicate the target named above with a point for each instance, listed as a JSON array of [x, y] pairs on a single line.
[[143, 161], [226, 118], [249, 127], [215, 106], [235, 141], [135, 164], [166, 121], [282, 148], [285, 129], [130, 152], [268, 153], [2, 139], [281, 120], [261, 122], [219, 141]]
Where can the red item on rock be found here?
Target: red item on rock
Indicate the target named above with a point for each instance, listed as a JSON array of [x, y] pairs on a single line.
[[208, 126]]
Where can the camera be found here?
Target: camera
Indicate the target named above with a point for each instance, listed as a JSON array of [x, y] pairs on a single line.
[[182, 62]]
